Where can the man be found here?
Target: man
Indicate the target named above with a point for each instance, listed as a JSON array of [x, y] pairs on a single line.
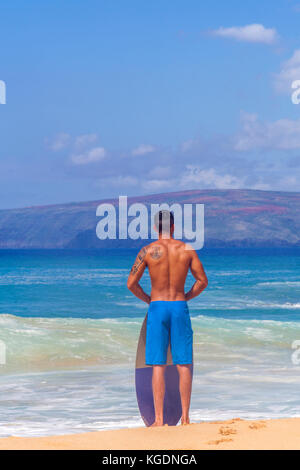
[[168, 261]]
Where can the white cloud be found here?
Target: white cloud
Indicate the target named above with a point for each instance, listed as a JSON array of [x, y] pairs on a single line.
[[289, 72], [283, 134], [90, 156], [187, 145], [209, 178], [85, 140], [63, 140], [159, 185], [143, 150], [60, 141], [249, 33], [83, 152]]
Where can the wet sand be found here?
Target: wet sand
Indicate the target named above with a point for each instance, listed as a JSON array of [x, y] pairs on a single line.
[[230, 434]]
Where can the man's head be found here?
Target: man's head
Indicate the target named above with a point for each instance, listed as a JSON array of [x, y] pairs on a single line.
[[164, 222]]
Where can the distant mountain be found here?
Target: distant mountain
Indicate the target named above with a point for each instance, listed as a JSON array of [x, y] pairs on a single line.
[[233, 217]]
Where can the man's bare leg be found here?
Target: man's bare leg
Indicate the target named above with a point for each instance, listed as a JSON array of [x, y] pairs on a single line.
[[185, 388], [158, 387]]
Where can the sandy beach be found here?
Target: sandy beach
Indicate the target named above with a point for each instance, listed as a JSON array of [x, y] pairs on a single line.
[[235, 434]]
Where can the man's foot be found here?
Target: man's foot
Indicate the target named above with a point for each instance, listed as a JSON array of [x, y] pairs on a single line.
[[157, 423], [185, 421]]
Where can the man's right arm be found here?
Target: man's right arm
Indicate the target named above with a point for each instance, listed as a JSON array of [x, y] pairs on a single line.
[[198, 272], [135, 275]]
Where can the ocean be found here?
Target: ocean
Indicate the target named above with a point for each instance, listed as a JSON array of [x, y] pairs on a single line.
[[70, 329]]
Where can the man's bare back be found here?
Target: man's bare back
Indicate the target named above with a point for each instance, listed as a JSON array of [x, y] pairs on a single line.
[[168, 261]]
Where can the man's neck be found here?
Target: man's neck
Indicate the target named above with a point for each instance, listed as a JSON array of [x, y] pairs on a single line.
[[165, 236]]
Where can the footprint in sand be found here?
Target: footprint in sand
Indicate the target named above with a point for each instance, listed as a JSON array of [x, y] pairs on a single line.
[[229, 421], [219, 441], [226, 430], [232, 421], [258, 425]]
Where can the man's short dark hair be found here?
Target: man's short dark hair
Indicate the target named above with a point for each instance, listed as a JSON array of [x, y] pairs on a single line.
[[163, 221]]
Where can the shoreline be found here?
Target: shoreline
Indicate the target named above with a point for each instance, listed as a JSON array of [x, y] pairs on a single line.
[[233, 434]]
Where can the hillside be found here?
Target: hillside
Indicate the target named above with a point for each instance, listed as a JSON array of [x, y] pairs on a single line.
[[249, 218]]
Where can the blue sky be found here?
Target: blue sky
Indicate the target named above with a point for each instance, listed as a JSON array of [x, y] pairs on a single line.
[[138, 97]]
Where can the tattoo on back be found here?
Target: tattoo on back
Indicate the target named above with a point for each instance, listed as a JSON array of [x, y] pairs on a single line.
[[156, 252], [139, 260]]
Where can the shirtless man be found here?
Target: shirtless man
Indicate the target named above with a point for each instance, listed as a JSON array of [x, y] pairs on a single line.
[[168, 262]]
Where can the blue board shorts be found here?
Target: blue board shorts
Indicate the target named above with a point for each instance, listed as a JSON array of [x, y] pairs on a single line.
[[169, 322]]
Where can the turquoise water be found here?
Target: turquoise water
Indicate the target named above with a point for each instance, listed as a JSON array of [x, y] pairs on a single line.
[[70, 327]]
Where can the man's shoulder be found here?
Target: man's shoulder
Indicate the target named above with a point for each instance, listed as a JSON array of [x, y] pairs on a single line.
[[183, 246], [189, 248], [143, 251], [147, 249], [155, 247]]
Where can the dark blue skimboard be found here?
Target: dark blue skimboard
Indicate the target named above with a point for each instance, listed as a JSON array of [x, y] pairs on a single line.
[[143, 386]]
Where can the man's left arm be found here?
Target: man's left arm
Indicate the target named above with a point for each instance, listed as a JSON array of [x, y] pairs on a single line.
[[135, 275], [198, 272]]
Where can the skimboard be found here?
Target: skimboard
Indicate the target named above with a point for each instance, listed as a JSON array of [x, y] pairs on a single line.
[[143, 386]]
